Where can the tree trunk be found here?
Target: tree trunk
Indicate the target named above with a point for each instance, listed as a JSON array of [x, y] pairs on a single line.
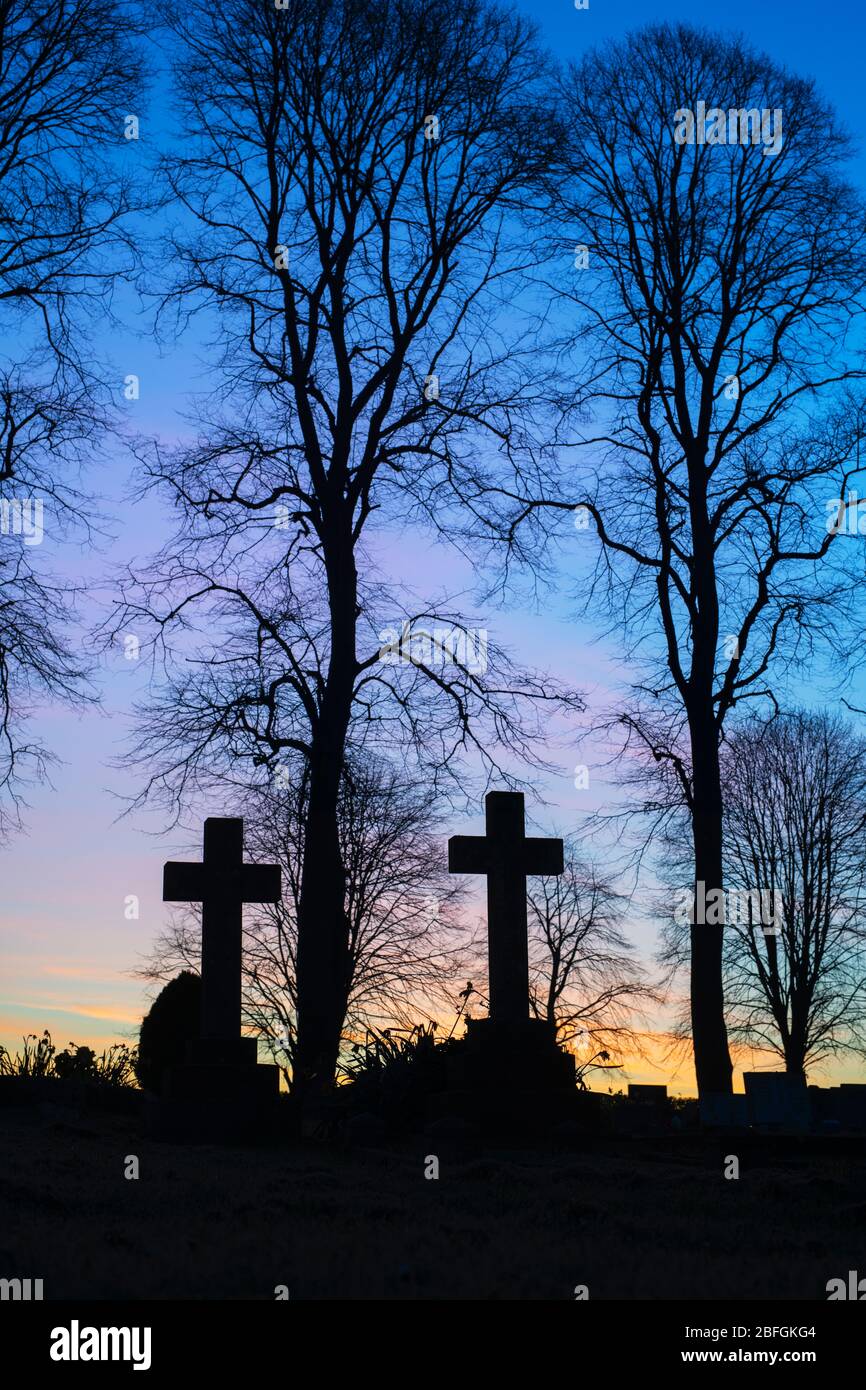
[[323, 942], [795, 1043], [709, 1034], [323, 963], [713, 1069]]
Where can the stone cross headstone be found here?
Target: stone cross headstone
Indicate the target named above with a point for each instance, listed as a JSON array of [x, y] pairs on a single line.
[[506, 856], [222, 883]]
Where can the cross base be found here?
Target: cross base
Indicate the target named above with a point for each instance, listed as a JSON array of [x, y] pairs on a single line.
[[222, 1052], [510, 1077], [219, 1095], [522, 1053], [222, 1081]]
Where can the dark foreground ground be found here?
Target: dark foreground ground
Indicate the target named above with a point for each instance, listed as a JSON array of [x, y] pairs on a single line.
[[643, 1218]]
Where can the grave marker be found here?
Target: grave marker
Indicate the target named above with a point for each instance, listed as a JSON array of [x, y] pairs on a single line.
[[507, 857], [777, 1101], [220, 1093], [222, 883], [510, 1073]]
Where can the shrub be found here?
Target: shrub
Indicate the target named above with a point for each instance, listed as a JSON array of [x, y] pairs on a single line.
[[392, 1072], [173, 1020], [75, 1064], [114, 1067]]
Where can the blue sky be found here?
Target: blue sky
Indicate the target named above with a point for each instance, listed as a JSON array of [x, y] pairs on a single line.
[[67, 948]]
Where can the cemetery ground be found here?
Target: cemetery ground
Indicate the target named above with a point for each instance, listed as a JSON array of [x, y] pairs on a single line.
[[396, 1186], [631, 1217]]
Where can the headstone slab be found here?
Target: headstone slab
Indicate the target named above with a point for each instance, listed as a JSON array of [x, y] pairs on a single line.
[[223, 1083], [647, 1095], [777, 1101], [839, 1108], [852, 1105]]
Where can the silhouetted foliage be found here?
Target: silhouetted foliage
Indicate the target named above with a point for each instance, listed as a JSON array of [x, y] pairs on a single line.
[[67, 74], [173, 1020], [583, 978], [40, 1060], [75, 1063], [37, 1059], [391, 1072]]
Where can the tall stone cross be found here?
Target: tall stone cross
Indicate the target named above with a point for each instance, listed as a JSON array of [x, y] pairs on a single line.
[[222, 883], [506, 856]]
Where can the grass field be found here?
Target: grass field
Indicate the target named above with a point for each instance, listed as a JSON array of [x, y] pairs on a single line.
[[630, 1218]]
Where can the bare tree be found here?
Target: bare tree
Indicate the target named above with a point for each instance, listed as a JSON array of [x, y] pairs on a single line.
[[583, 975], [346, 170], [719, 273], [795, 827], [68, 72], [405, 938]]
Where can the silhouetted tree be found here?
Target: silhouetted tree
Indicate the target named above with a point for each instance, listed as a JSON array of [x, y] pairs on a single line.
[[795, 825], [68, 73], [795, 875], [347, 169], [583, 975], [713, 297]]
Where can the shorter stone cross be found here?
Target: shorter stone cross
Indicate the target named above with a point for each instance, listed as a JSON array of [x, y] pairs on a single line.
[[506, 856], [222, 883]]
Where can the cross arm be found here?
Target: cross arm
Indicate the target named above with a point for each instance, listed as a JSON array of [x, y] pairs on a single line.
[[468, 854], [471, 854], [261, 883], [248, 883], [183, 883], [543, 856]]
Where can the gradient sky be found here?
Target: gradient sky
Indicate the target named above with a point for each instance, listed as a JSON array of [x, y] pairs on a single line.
[[66, 948]]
